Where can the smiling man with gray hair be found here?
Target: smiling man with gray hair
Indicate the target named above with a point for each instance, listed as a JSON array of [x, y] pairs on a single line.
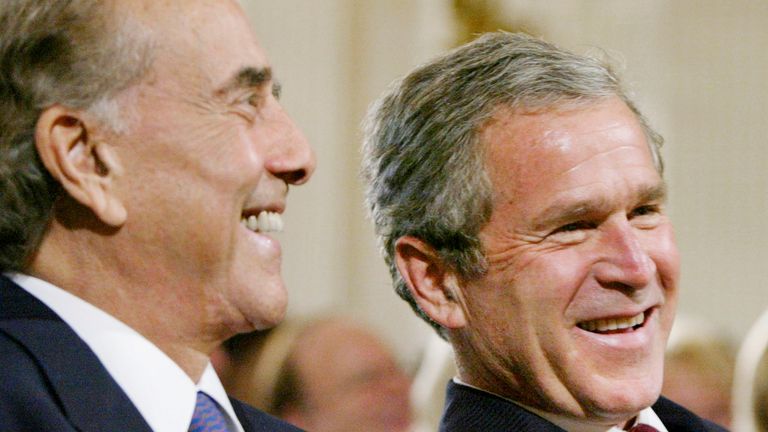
[[518, 197], [144, 160]]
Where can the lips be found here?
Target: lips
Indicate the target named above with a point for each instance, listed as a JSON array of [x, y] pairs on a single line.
[[613, 325], [263, 222]]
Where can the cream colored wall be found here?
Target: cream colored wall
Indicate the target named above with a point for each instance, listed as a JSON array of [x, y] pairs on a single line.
[[333, 57], [698, 68]]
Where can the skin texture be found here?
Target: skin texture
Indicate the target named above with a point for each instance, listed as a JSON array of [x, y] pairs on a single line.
[[350, 382], [578, 233], [151, 229]]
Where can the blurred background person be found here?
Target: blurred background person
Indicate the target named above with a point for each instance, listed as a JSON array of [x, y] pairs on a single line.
[[323, 375], [698, 369]]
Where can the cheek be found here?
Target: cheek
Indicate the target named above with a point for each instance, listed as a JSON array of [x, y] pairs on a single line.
[[520, 307], [222, 151], [527, 288], [251, 145], [555, 278], [668, 262], [661, 247]]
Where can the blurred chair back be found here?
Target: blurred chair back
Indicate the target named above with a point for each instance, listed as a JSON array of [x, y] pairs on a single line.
[[750, 384]]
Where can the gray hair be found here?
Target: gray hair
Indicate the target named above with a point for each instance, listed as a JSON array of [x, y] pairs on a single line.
[[422, 159], [76, 53]]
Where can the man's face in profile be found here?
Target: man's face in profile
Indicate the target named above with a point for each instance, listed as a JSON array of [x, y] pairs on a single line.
[[209, 148], [573, 314]]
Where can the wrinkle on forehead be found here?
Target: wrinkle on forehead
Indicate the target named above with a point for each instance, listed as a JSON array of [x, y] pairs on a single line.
[[610, 153], [557, 139], [527, 142]]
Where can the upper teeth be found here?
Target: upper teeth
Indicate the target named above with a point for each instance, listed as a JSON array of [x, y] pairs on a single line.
[[266, 221], [613, 323]]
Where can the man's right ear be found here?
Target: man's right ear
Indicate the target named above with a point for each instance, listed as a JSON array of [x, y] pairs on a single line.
[[84, 167], [431, 282]]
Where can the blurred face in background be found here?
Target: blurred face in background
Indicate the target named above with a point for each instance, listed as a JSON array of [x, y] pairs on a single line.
[[698, 374], [350, 382]]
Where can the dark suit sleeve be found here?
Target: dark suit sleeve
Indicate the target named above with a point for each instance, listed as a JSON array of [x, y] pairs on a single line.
[[254, 420], [26, 402]]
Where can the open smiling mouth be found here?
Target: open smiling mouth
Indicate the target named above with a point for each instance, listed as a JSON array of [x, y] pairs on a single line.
[[263, 222], [614, 325]]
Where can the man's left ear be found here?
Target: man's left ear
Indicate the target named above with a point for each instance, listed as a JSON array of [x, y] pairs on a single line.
[[85, 168], [433, 285]]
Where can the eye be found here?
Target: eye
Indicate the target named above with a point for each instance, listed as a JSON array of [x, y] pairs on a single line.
[[575, 226], [573, 232], [646, 216], [645, 210], [249, 105], [255, 100]]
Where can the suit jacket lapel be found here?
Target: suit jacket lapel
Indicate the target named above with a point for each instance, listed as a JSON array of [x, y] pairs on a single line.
[[468, 409], [679, 419], [89, 396]]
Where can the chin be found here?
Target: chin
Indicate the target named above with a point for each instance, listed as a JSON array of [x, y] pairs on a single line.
[[624, 401], [266, 306]]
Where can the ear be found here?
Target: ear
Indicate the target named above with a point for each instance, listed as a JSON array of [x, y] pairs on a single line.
[[85, 167], [434, 286]]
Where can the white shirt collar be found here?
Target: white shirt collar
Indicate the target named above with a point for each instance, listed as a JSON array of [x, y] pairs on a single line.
[[646, 416], [162, 392]]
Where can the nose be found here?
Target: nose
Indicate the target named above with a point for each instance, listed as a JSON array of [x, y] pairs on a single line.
[[292, 158], [625, 263]]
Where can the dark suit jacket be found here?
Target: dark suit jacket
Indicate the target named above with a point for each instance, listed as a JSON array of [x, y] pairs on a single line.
[[471, 410], [50, 380]]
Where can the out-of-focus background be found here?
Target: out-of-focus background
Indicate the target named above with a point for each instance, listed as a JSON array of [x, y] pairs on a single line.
[[698, 68]]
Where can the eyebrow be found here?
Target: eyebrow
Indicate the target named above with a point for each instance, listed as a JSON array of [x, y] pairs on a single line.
[[251, 77], [561, 213]]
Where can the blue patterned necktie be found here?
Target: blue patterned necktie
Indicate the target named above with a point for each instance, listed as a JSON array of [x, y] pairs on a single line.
[[208, 416]]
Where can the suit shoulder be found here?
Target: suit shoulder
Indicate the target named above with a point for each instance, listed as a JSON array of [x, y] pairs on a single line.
[[20, 369], [254, 420], [26, 399]]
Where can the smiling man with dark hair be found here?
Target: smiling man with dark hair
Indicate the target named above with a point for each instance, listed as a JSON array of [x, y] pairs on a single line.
[[144, 159]]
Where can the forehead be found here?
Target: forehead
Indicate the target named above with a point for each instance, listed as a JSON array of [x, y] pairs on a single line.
[[210, 39], [528, 151]]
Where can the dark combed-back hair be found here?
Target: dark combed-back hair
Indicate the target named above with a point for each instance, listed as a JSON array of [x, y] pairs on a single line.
[[76, 53], [422, 160]]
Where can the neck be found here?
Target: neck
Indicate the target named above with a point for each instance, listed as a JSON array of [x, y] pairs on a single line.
[[148, 303]]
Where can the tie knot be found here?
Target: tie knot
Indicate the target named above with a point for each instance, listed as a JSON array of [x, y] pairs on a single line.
[[643, 428], [208, 416]]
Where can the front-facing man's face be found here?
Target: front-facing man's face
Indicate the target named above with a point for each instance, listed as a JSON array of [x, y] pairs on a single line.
[[573, 314], [208, 147]]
